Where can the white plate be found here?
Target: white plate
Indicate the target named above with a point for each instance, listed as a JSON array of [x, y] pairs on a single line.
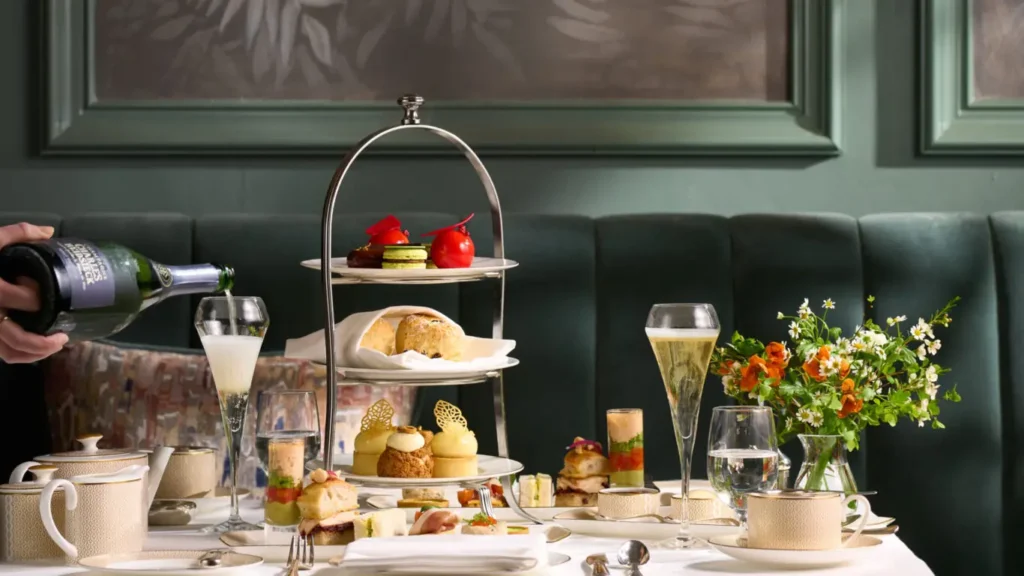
[[153, 562], [487, 467], [427, 377], [279, 554], [480, 266], [503, 514], [221, 498], [646, 530], [858, 549]]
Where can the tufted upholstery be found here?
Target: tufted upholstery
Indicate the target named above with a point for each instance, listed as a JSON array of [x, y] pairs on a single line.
[[577, 303]]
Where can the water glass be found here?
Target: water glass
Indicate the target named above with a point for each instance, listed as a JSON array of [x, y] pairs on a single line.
[[743, 454]]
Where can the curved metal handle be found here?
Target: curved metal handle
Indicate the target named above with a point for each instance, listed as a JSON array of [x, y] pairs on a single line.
[[411, 104]]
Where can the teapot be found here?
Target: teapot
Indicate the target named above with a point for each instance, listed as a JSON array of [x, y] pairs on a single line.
[[22, 534], [92, 459], [104, 513]]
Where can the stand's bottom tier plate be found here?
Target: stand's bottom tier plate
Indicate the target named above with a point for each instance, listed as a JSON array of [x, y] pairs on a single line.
[[487, 467]]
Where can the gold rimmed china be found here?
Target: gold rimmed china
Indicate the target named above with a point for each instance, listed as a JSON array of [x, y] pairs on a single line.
[[735, 547]]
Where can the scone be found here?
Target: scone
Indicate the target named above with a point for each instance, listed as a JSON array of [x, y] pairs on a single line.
[[380, 337], [430, 336], [372, 438], [406, 456]]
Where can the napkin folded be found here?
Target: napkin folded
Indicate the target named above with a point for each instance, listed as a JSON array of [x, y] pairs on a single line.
[[448, 554], [478, 354]]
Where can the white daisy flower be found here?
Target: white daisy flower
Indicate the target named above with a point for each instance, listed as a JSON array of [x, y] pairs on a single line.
[[922, 352], [727, 382], [828, 304], [879, 338], [933, 347], [931, 374], [789, 422], [917, 333], [859, 344], [878, 351], [901, 318], [794, 330], [831, 365], [804, 312], [931, 390], [844, 346], [805, 415], [817, 419]]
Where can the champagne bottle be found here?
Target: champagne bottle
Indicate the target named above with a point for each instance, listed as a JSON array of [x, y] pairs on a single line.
[[90, 290]]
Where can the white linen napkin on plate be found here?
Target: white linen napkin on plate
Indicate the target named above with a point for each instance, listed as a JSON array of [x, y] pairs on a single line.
[[478, 354], [448, 554]]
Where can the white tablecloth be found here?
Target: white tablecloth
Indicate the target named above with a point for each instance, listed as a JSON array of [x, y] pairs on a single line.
[[893, 557]]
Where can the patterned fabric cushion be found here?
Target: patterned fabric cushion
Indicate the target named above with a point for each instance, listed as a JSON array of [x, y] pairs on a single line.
[[139, 398]]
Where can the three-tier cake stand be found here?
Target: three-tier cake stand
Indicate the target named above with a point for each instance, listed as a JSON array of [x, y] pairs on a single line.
[[411, 122]]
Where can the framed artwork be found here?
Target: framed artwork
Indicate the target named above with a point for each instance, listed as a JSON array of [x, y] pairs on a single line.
[[720, 77], [972, 81]]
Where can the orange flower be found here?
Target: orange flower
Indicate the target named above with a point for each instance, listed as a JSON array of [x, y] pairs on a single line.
[[776, 354], [750, 372], [776, 373], [851, 404], [844, 369], [725, 368], [813, 366]]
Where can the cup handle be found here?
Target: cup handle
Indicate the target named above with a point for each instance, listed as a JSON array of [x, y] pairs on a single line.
[[18, 475], [70, 502], [863, 521]]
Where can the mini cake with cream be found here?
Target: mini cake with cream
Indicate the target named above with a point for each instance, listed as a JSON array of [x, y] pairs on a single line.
[[372, 438], [455, 446], [407, 455]]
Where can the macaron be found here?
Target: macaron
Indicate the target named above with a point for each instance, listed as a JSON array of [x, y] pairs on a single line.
[[404, 257], [430, 261]]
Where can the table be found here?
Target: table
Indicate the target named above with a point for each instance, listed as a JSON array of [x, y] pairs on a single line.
[[893, 557]]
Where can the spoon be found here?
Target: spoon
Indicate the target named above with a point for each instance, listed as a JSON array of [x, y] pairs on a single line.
[[211, 559], [633, 554]]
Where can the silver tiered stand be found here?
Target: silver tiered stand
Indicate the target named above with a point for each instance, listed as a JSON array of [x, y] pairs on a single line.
[[411, 121]]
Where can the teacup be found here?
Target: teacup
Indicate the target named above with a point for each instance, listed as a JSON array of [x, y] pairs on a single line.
[[701, 505], [191, 473], [621, 503], [799, 520]]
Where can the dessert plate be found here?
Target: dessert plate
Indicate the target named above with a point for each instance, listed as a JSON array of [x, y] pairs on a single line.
[[444, 377], [487, 467], [582, 521], [154, 562], [480, 267], [799, 559]]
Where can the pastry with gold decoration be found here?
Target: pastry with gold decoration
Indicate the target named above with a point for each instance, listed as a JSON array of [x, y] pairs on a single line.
[[455, 446], [406, 455], [372, 438]]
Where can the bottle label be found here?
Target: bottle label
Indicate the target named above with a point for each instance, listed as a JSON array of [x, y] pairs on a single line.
[[90, 272]]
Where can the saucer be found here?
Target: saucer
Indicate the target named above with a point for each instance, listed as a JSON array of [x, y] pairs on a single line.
[[856, 550]]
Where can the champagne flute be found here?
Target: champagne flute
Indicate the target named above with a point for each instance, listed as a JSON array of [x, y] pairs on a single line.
[[231, 329], [683, 337], [743, 454], [287, 436]]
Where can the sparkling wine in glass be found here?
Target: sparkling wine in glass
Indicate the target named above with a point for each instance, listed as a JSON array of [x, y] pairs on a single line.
[[743, 454], [231, 329], [683, 337], [287, 436]]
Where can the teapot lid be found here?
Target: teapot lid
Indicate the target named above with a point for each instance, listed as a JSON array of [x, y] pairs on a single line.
[[90, 452], [43, 473]]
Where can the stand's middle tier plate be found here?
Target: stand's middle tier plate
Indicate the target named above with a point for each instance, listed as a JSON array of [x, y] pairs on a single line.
[[487, 467], [447, 377]]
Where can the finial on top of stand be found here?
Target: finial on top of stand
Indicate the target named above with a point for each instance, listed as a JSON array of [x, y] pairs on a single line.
[[411, 103]]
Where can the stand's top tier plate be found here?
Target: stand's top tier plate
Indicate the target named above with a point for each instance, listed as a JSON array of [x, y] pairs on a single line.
[[487, 467], [480, 268]]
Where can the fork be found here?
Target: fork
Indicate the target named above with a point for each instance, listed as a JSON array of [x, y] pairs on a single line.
[[484, 493], [298, 559]]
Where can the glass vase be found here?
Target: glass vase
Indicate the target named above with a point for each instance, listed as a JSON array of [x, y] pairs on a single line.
[[825, 467], [782, 481]]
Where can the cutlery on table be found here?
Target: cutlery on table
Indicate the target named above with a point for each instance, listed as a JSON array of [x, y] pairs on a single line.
[[301, 554], [211, 559], [633, 554]]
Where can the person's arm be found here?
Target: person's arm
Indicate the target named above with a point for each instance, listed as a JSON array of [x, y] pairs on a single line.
[[16, 345]]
